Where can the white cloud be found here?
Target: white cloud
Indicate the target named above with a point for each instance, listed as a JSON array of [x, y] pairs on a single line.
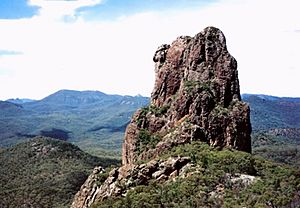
[[116, 56], [57, 9]]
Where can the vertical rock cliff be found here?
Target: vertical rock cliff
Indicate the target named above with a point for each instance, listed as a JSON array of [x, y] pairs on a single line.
[[196, 97]]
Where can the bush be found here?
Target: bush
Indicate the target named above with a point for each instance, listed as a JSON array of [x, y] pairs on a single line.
[[146, 140]]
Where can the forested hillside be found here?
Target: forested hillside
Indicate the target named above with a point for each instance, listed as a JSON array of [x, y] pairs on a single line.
[[93, 120], [44, 172]]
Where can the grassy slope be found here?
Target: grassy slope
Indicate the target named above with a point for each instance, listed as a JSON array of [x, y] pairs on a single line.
[[275, 185], [44, 173]]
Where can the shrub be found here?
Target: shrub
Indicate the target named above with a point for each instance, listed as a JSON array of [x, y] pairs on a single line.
[[146, 140], [274, 186]]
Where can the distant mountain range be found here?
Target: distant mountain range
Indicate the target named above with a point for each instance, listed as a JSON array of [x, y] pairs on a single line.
[[269, 112], [96, 121], [20, 101], [93, 120], [276, 127]]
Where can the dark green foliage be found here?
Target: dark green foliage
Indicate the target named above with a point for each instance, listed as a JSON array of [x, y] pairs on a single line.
[[146, 140], [143, 113], [157, 111], [56, 134], [220, 111], [44, 173], [283, 149], [285, 154], [275, 185], [191, 86], [101, 178]]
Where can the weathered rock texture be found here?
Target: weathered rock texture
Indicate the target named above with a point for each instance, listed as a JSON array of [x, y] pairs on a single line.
[[86, 196], [196, 97], [120, 180]]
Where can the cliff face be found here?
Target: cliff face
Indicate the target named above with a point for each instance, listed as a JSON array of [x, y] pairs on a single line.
[[196, 97]]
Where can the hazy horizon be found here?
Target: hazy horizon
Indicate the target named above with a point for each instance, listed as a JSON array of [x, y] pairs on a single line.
[[108, 45], [15, 98]]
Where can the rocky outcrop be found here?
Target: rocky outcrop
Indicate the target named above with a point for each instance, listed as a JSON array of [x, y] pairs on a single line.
[[86, 196], [120, 180], [238, 182], [196, 97]]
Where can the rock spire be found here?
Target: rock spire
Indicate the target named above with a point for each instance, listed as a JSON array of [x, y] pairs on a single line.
[[196, 96]]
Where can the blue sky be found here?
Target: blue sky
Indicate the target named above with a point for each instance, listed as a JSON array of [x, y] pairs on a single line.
[[107, 45], [106, 9], [7, 53], [14, 9], [110, 9]]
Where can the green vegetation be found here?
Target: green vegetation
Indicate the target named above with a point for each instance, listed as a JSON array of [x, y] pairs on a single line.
[[157, 111], [269, 112], [102, 176], [191, 85], [146, 140], [44, 173], [221, 111], [285, 154], [96, 122], [273, 186], [92, 120], [280, 149], [47, 173], [276, 128], [142, 116]]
